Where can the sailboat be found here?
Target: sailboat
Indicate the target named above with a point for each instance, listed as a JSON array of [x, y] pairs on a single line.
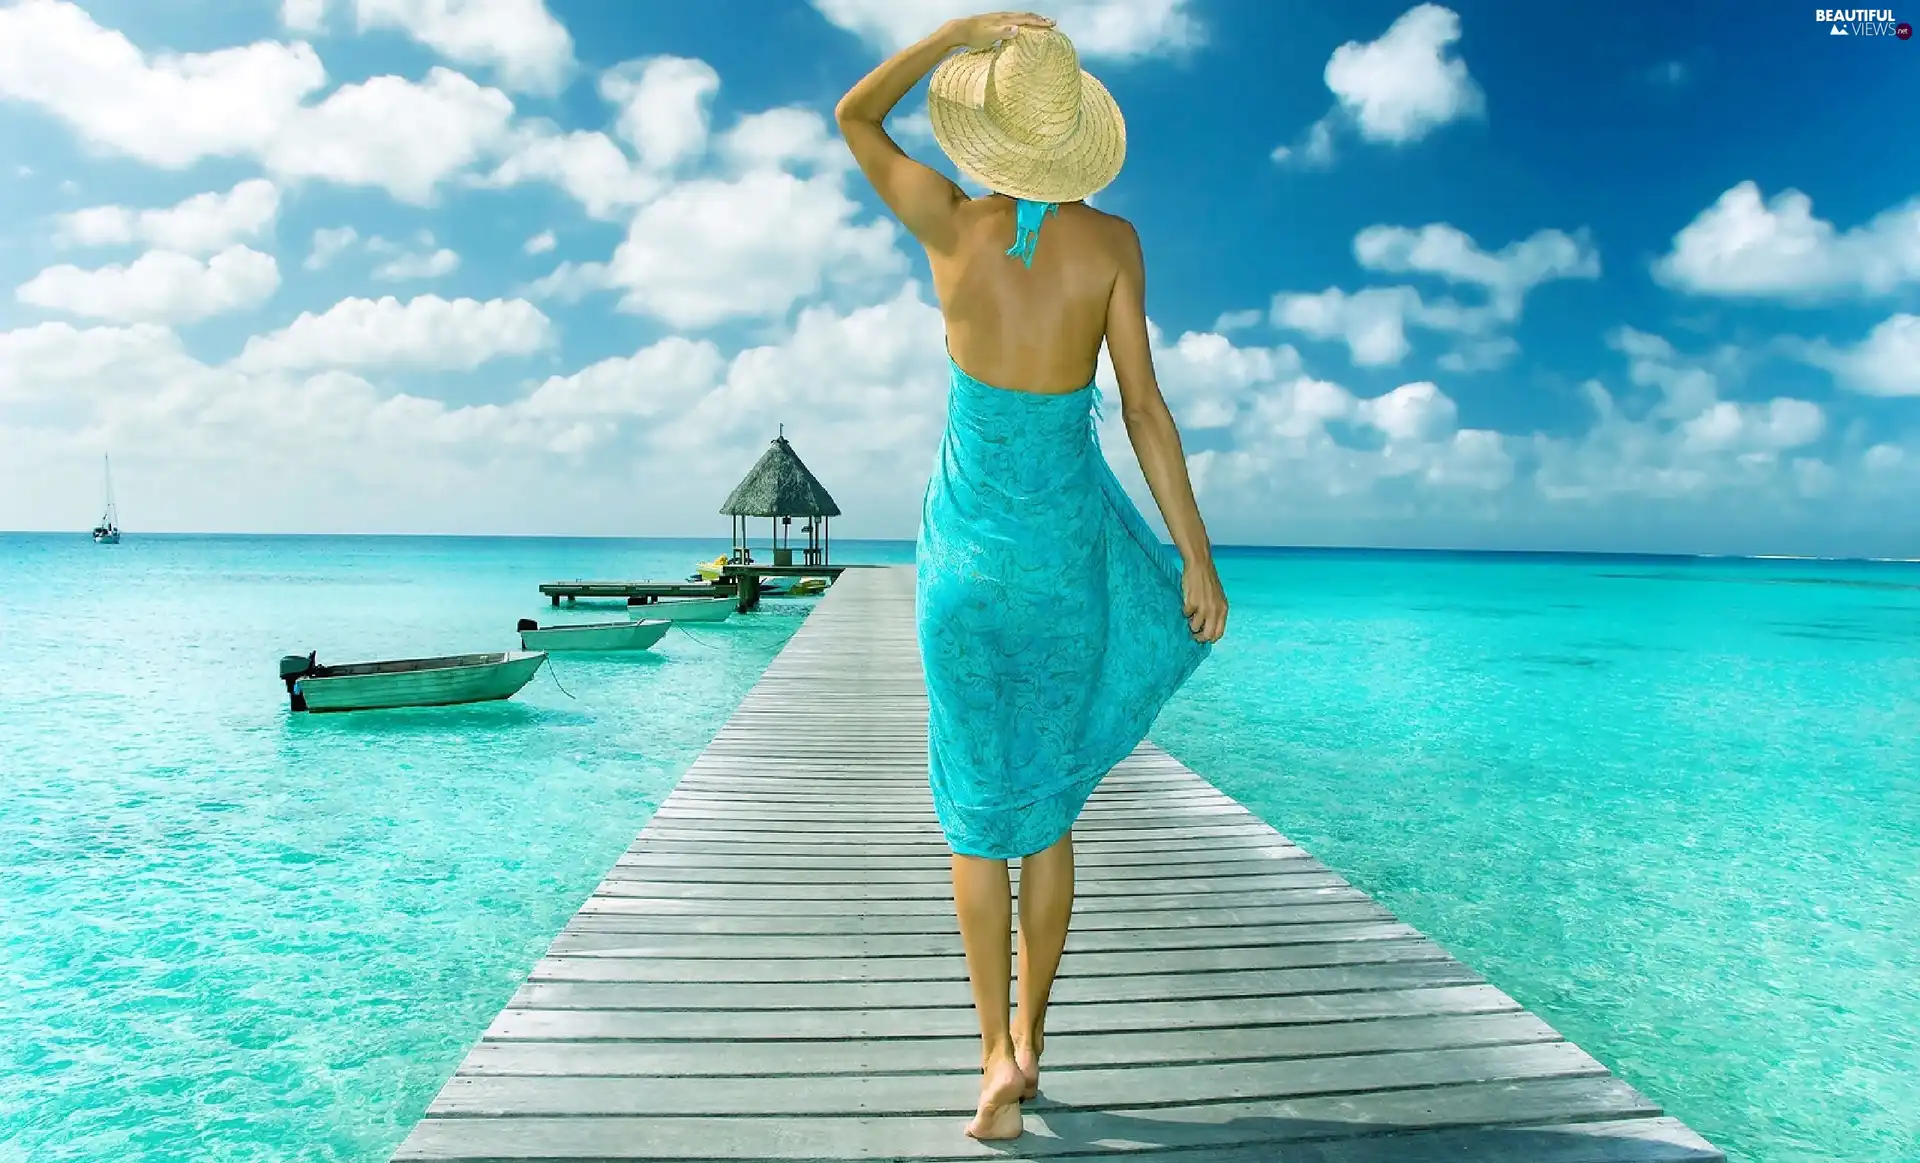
[[107, 532]]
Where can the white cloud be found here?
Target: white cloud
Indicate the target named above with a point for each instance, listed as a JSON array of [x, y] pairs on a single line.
[[1287, 454], [588, 166], [1396, 89], [1687, 387], [1406, 84], [1373, 321], [1777, 424], [217, 438], [540, 243], [1744, 246], [169, 110], [662, 106], [783, 139], [51, 360], [419, 259], [330, 243], [173, 110], [425, 332], [394, 134], [201, 224], [1886, 363], [425, 264], [159, 286], [1418, 412], [519, 40], [569, 282], [665, 379], [1206, 378], [1315, 150], [1689, 443], [1481, 355], [307, 16], [1507, 276], [1115, 29], [710, 250]]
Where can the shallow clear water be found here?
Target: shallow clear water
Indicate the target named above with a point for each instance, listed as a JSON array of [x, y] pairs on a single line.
[[1670, 805], [236, 933]]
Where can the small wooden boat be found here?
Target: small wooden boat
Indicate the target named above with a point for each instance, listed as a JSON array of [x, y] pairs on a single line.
[[407, 682], [593, 635], [685, 609]]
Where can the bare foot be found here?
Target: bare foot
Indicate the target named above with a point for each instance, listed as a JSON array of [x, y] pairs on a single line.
[[1026, 1055], [999, 1114]]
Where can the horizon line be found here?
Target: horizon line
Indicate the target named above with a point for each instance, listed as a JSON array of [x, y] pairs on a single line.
[[1675, 555]]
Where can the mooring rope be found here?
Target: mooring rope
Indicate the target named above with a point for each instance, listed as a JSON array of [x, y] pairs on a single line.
[[688, 633]]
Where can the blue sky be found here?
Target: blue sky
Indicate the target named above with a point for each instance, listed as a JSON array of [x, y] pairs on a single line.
[[1547, 276]]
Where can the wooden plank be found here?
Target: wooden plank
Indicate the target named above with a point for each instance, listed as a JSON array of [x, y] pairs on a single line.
[[954, 1093], [1086, 905], [901, 1055], [802, 868], [596, 914], [1482, 1107], [773, 971], [953, 967], [627, 882], [953, 991], [1086, 851], [589, 939], [958, 1021]]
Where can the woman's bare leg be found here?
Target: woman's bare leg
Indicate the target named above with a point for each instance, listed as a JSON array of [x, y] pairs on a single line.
[[983, 901], [1046, 908]]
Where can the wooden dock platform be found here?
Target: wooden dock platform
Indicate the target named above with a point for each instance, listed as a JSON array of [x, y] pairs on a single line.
[[773, 972], [743, 581], [570, 590]]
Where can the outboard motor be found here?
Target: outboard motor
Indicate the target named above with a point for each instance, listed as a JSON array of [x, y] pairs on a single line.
[[527, 624], [293, 668]]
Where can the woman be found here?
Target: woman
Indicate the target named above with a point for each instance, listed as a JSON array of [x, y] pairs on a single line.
[[1053, 626]]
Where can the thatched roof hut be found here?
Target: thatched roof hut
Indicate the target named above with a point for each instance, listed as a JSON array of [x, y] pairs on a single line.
[[780, 487]]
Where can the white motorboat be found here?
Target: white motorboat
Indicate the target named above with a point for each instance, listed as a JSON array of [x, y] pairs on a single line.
[[685, 609], [407, 682], [592, 635]]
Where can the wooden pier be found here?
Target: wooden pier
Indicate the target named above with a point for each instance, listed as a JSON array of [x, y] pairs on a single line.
[[742, 581], [568, 591], [773, 972]]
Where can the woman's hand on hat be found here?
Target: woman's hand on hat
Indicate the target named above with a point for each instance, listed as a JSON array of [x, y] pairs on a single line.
[[982, 32]]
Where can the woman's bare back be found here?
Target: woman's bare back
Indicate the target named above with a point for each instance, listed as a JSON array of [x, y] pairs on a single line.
[[1035, 329]]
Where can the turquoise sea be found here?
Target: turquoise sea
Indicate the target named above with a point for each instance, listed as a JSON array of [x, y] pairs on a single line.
[[1671, 804]]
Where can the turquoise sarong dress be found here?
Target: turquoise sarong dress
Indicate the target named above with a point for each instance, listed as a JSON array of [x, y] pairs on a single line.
[[1051, 622]]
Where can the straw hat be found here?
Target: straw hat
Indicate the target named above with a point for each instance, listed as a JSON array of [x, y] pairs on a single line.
[[1026, 120]]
